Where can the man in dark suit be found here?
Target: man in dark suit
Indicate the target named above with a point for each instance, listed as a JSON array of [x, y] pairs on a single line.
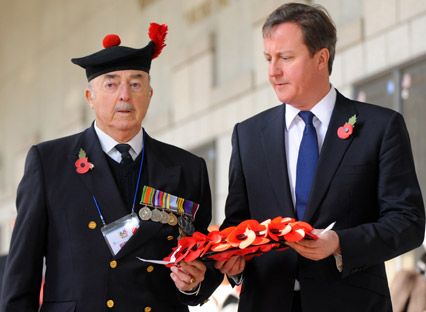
[[321, 158], [78, 204]]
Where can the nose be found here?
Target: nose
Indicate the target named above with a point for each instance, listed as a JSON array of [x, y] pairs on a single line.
[[124, 93], [274, 69]]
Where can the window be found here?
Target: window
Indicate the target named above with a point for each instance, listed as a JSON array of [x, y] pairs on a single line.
[[403, 89], [208, 153]]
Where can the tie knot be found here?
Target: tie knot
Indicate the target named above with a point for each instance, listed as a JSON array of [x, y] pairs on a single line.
[[123, 148], [126, 158], [307, 117]]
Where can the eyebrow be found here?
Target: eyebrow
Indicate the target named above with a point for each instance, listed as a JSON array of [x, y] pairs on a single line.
[[136, 76], [111, 76], [114, 76]]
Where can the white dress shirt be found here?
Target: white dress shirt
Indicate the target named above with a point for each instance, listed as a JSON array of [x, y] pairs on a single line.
[[294, 127], [108, 144]]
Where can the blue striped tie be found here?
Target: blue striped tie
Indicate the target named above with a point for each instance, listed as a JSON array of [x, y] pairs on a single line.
[[306, 163]]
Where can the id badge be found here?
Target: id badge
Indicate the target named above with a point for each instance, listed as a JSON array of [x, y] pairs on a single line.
[[117, 233]]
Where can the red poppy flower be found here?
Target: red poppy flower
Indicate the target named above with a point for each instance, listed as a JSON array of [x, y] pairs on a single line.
[[278, 227], [82, 164], [196, 250], [185, 245], [244, 234], [213, 237], [298, 231], [223, 245], [347, 129]]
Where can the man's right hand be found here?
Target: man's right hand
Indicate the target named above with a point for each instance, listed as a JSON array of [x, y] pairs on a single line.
[[233, 266]]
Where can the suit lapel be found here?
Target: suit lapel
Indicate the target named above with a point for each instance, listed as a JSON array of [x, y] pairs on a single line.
[[100, 181], [331, 155], [273, 146]]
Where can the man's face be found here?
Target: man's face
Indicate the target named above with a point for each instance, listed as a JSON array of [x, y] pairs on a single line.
[[296, 76], [120, 100]]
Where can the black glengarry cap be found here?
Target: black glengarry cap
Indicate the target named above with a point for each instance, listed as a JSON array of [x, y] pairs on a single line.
[[115, 57]]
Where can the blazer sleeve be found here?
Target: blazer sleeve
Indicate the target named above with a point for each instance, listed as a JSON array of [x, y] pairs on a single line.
[[213, 277], [401, 223], [237, 203], [23, 271]]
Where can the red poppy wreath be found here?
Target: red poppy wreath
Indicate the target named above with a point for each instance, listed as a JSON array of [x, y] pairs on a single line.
[[248, 239]]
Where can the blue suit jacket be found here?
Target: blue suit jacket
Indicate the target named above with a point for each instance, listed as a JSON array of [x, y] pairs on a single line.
[[366, 183]]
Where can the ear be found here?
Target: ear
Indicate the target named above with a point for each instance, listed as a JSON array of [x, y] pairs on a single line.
[[89, 97], [323, 57]]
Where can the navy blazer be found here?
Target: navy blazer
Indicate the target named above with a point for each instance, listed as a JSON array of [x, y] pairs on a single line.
[[55, 206], [366, 183]]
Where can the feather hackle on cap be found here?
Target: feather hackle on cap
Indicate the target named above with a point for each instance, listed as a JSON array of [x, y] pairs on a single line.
[[157, 33]]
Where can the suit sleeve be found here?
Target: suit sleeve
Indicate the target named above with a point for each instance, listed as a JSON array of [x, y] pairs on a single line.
[[23, 271], [401, 222], [237, 204], [213, 277]]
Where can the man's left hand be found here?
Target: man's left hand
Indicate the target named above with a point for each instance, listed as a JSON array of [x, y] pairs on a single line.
[[326, 245], [188, 275]]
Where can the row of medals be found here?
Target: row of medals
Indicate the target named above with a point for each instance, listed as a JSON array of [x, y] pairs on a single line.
[[158, 215]]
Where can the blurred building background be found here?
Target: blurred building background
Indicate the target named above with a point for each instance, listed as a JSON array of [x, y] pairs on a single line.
[[211, 75]]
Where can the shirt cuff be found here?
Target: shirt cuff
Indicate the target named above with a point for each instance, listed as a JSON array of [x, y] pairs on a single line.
[[238, 279], [191, 292], [339, 261]]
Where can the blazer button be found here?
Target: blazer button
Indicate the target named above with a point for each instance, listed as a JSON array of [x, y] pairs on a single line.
[[150, 268], [170, 237], [113, 264], [110, 303], [147, 309], [92, 225]]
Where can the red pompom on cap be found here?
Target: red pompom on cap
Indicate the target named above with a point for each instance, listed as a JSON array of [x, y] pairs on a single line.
[[111, 40], [157, 33]]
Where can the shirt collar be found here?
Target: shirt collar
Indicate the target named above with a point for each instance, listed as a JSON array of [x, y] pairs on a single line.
[[322, 110], [108, 143]]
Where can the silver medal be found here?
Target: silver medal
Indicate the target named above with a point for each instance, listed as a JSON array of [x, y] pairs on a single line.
[[156, 215], [164, 217], [145, 213]]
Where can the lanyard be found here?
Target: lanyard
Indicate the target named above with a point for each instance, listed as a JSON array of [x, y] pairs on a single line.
[[137, 183]]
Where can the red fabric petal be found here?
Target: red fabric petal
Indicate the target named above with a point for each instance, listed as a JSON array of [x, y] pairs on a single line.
[[157, 33], [82, 165]]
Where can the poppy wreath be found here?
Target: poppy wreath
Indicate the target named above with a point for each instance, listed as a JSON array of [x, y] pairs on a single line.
[[248, 239]]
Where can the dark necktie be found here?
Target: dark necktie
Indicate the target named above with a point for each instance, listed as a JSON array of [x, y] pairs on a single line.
[[306, 164], [126, 158]]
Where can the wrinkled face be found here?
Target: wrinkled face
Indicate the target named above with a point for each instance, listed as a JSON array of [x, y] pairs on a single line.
[[294, 73], [120, 100]]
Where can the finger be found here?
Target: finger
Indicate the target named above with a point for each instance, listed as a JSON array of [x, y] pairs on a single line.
[[179, 283], [235, 266], [195, 265], [219, 264], [196, 272]]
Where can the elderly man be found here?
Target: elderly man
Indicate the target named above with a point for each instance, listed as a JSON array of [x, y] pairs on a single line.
[[322, 158], [78, 204]]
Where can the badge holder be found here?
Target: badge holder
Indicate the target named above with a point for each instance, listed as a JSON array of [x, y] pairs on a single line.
[[117, 233]]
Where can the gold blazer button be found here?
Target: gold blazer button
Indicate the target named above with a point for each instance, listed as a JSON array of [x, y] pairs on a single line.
[[113, 264], [92, 225], [110, 303]]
